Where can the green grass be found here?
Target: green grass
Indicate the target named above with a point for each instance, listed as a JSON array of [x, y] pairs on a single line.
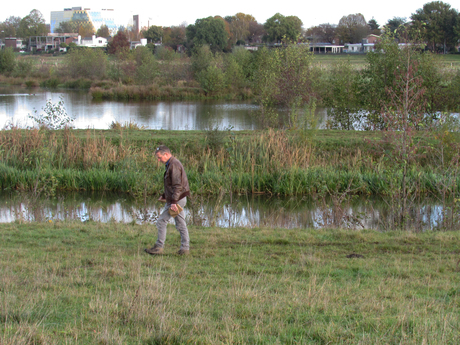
[[90, 283], [266, 161]]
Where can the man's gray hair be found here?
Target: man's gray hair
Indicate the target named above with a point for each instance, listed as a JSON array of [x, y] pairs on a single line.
[[162, 149]]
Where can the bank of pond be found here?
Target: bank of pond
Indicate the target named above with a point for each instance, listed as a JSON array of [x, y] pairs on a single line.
[[333, 165]]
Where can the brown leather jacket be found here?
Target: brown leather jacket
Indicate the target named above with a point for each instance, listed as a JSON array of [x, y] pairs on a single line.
[[175, 181]]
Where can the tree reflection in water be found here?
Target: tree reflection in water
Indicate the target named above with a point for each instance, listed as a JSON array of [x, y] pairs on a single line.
[[237, 211]]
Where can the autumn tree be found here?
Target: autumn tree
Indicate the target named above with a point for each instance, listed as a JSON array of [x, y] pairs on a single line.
[[118, 43], [174, 36], [325, 33], [239, 26], [256, 32], [437, 22], [352, 28]]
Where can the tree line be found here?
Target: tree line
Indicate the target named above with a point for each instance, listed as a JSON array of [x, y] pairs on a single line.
[[436, 23]]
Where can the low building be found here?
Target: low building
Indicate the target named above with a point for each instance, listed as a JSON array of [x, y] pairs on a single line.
[[92, 42], [13, 42], [51, 41], [324, 48], [141, 43]]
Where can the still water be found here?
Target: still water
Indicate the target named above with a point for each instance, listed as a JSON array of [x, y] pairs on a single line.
[[16, 104], [230, 211], [249, 211]]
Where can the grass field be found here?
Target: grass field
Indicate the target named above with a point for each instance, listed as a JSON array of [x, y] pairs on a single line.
[[90, 283]]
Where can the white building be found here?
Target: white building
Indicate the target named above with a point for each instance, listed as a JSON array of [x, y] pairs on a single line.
[[108, 17], [92, 42]]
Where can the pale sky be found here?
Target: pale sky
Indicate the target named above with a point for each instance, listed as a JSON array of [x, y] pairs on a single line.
[[175, 12]]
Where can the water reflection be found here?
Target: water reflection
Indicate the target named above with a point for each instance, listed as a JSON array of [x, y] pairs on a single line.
[[17, 104], [243, 211]]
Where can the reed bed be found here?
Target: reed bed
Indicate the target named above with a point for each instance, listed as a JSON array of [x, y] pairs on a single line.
[[272, 162]]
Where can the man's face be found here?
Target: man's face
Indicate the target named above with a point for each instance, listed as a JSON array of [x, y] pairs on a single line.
[[162, 158]]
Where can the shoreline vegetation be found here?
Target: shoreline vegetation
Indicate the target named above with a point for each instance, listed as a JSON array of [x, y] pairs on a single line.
[[91, 283], [239, 75], [274, 162]]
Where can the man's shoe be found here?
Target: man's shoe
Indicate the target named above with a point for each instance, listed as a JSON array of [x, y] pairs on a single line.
[[183, 252], [155, 250]]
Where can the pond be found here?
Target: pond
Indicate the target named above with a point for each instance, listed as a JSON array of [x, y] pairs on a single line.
[[16, 104], [229, 211], [248, 211]]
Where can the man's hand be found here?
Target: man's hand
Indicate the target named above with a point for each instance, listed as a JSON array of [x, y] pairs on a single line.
[[161, 199], [173, 207]]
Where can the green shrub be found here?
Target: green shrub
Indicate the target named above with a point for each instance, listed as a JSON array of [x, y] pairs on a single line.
[[7, 60], [86, 63], [23, 68]]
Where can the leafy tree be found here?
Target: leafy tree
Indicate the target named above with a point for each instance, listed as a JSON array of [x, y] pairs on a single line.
[[379, 75], [352, 28], [7, 60], [103, 31], [403, 115], [81, 27], [285, 78], [208, 31], [279, 26], [230, 38], [123, 67], [247, 61], [146, 65], [86, 63], [202, 57], [211, 79], [239, 26], [341, 99], [234, 73], [396, 27], [174, 36], [118, 43], [153, 34], [164, 53], [10, 27], [66, 27], [325, 33], [437, 22], [32, 25], [374, 27], [256, 32]]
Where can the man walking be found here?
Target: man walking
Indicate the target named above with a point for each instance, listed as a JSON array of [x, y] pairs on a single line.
[[176, 190]]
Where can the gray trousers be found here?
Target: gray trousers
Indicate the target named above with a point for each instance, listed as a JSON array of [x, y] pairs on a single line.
[[163, 220]]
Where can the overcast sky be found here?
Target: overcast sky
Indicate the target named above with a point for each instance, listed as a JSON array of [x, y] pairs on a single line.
[[175, 12]]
